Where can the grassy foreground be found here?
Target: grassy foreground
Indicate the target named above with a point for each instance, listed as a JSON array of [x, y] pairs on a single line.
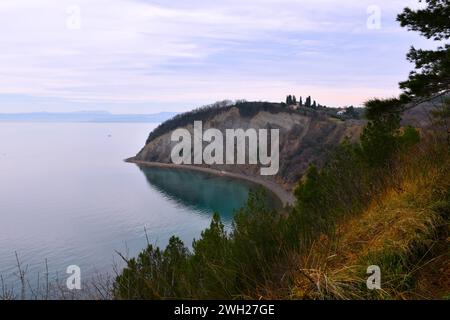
[[405, 231]]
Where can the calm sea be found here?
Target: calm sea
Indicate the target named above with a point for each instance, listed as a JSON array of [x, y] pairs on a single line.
[[67, 196]]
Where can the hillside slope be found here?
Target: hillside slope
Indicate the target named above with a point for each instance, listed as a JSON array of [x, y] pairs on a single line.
[[405, 231], [306, 137]]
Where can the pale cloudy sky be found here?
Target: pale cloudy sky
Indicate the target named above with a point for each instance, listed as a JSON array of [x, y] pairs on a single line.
[[143, 56]]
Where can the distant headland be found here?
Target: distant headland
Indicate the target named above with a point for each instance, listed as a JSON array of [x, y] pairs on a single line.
[[86, 116]]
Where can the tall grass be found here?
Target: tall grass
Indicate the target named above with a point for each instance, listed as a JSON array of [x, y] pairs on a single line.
[[400, 231]]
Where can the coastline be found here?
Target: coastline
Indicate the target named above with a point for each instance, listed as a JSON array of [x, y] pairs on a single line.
[[286, 198]]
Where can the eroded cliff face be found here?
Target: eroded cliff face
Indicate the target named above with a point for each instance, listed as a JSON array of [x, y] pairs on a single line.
[[304, 140]]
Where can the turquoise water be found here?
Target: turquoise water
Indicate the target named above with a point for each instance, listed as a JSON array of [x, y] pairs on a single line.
[[67, 196], [201, 193]]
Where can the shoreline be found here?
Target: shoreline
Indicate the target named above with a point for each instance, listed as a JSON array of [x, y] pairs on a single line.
[[286, 198]]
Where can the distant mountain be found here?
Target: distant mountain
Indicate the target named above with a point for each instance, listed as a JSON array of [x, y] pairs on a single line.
[[85, 116]]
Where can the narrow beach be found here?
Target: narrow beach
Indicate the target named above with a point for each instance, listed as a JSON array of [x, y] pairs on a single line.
[[284, 196]]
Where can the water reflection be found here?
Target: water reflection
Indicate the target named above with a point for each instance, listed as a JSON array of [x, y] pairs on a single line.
[[199, 191]]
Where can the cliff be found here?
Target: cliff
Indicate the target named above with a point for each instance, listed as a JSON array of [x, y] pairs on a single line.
[[306, 136]]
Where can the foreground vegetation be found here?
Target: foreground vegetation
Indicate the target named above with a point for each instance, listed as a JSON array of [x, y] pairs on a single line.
[[404, 231]]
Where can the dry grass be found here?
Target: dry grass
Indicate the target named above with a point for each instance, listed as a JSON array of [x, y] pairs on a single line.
[[404, 231]]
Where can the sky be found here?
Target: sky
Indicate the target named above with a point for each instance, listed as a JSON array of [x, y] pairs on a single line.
[[139, 56]]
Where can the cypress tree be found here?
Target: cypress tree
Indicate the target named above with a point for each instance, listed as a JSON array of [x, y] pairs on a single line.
[[308, 102]]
